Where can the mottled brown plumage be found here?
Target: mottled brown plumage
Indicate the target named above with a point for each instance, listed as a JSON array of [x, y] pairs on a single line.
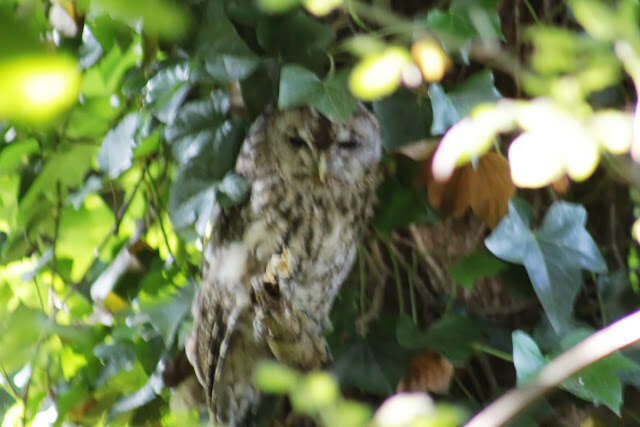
[[274, 265]]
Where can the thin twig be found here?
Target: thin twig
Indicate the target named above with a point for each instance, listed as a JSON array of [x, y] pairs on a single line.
[[614, 337]]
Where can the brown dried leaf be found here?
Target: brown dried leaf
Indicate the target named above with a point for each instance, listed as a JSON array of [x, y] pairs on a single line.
[[486, 189], [428, 371]]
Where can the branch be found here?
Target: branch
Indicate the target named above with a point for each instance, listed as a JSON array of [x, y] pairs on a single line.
[[614, 337]]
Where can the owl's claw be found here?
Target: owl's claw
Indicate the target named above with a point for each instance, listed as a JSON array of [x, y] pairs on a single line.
[[292, 335]]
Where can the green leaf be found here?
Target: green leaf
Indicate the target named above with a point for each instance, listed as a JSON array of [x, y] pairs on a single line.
[[400, 204], [273, 377], [115, 358], [81, 231], [167, 89], [371, 365], [404, 118], [452, 336], [166, 313], [454, 29], [478, 264], [307, 48], [198, 124], [6, 402], [527, 357], [299, 86], [598, 383], [314, 392], [207, 143], [19, 334], [226, 55], [450, 107], [166, 18], [16, 154], [103, 78], [68, 167], [553, 255], [116, 150], [92, 119]]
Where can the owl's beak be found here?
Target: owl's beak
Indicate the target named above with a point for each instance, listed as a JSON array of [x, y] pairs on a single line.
[[322, 167]]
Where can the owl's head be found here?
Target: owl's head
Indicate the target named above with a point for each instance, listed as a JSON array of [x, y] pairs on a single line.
[[304, 145]]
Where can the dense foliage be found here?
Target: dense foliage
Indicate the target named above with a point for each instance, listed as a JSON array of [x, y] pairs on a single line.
[[119, 126]]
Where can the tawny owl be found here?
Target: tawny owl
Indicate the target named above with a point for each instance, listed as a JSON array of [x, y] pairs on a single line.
[[274, 265]]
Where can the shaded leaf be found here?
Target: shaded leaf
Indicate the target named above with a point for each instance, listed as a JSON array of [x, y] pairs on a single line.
[[403, 117], [226, 55], [478, 264], [299, 86], [306, 48], [450, 107], [553, 255], [167, 313], [207, 142], [527, 357], [198, 124], [371, 365], [452, 336], [115, 358], [116, 150]]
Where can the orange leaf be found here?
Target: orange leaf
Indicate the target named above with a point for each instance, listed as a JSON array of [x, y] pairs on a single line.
[[428, 371], [486, 189]]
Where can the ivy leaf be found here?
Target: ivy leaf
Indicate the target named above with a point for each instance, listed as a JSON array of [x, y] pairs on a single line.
[[404, 118], [553, 255], [199, 123], [206, 142], [527, 357], [116, 150], [226, 55], [452, 336], [450, 107], [306, 48], [299, 86], [167, 89], [454, 29], [371, 365], [478, 264], [598, 383], [401, 205]]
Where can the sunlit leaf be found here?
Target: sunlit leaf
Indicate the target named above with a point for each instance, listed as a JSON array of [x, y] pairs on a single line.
[[272, 377], [433, 61], [321, 7], [378, 75], [37, 88], [81, 231], [19, 334], [553, 255], [166, 18], [314, 392]]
